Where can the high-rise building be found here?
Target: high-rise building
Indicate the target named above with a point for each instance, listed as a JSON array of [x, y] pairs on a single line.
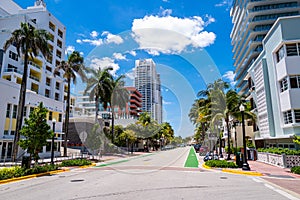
[[42, 85], [252, 19], [147, 81]]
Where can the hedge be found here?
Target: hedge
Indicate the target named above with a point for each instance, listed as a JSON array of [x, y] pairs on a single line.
[[279, 151], [295, 170], [220, 164]]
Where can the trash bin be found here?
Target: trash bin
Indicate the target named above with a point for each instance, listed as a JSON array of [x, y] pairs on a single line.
[[26, 162], [238, 160]]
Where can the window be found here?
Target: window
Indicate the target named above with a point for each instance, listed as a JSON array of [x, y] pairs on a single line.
[[291, 50], [8, 109], [13, 55], [48, 68], [283, 84], [295, 81], [47, 93], [12, 132], [287, 117], [60, 33], [297, 115], [50, 115], [5, 132], [280, 53], [14, 115], [48, 81], [25, 111], [56, 96], [57, 85], [59, 117]]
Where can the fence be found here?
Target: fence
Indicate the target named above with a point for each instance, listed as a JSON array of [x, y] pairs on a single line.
[[283, 160]]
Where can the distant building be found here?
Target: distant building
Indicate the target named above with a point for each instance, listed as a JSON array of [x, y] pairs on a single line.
[[147, 81], [42, 85]]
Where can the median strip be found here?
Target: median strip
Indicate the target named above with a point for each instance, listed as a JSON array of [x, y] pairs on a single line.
[[192, 160]]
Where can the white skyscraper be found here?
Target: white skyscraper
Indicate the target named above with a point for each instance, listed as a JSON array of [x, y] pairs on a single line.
[[147, 81]]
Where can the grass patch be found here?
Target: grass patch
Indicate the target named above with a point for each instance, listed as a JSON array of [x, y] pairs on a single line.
[[191, 160], [295, 170]]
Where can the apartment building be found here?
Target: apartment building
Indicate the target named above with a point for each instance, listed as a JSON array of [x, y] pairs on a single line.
[[276, 80], [148, 83], [252, 19], [42, 85]]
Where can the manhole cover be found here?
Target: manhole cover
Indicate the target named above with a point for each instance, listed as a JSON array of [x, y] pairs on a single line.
[[223, 177], [77, 180]]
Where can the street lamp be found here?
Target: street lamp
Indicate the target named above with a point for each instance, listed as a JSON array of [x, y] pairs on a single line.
[[52, 143], [245, 163], [220, 142]]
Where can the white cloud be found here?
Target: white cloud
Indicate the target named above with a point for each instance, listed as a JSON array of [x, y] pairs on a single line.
[[69, 49], [166, 1], [94, 34], [107, 38], [111, 38], [170, 34], [229, 75], [105, 63], [165, 12], [130, 74], [133, 53], [224, 3], [166, 102], [119, 56]]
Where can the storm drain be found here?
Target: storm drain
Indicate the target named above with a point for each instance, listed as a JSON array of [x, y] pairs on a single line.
[[76, 180]]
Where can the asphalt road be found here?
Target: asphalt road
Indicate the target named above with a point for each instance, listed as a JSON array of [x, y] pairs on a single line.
[[153, 176]]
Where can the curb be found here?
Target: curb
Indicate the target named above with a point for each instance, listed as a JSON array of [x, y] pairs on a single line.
[[32, 176], [234, 171]]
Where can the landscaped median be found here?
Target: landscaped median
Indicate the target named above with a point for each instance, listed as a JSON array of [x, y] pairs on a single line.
[[17, 173], [229, 167]]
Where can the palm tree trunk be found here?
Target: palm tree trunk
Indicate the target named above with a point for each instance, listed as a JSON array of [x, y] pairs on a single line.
[[21, 105], [67, 116]]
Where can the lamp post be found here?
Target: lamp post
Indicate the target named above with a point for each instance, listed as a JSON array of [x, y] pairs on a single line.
[[52, 143], [245, 163], [220, 142]]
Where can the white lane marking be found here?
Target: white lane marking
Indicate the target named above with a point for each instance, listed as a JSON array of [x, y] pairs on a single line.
[[283, 193], [256, 179]]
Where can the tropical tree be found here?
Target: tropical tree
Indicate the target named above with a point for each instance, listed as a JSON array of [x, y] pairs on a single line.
[[127, 137], [36, 131], [144, 119], [28, 42], [119, 97], [73, 66], [99, 87], [166, 132]]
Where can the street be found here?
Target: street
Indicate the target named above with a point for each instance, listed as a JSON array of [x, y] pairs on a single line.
[[158, 175]]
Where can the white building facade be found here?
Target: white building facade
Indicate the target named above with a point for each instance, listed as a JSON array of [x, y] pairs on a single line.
[[42, 85], [147, 81], [276, 79]]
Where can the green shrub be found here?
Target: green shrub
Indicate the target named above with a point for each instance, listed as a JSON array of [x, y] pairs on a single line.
[[295, 170], [221, 164], [76, 162], [279, 151], [13, 172]]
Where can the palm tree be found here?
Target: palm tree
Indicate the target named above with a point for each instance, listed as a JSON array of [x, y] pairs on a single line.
[[28, 42], [99, 86], [71, 67], [119, 97]]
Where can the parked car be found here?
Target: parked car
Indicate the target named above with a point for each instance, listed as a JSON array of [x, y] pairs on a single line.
[[210, 156], [197, 147]]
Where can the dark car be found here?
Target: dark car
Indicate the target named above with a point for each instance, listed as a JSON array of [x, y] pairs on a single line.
[[210, 156], [197, 147]]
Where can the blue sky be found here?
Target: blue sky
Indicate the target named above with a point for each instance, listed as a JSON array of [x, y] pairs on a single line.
[[189, 40]]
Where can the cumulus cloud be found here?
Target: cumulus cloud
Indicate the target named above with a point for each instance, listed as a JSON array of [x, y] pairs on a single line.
[[69, 49], [133, 53], [171, 35], [229, 75], [106, 38], [165, 12], [119, 56], [130, 74], [224, 3], [103, 63], [94, 34]]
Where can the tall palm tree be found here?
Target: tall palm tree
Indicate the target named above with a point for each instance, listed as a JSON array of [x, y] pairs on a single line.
[[99, 86], [73, 66], [119, 97], [28, 42]]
